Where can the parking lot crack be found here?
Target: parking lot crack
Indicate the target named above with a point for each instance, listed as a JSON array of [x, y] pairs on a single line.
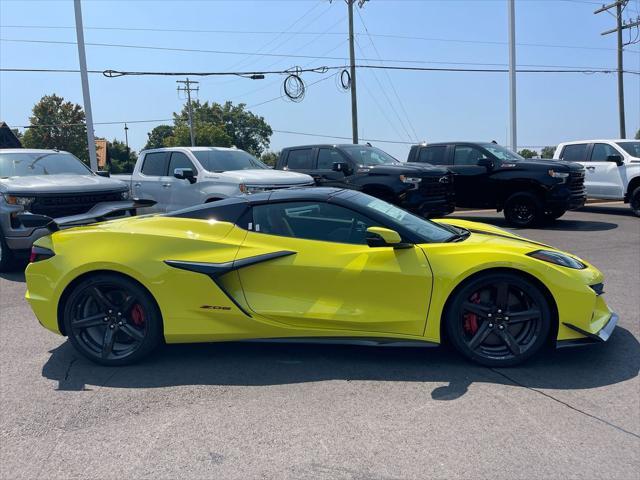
[[568, 405], [68, 372]]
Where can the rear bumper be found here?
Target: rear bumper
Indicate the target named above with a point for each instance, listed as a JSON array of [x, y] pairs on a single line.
[[600, 336]]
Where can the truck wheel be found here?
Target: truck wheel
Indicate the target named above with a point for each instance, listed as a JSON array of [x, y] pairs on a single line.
[[7, 260], [635, 201], [523, 209], [555, 213]]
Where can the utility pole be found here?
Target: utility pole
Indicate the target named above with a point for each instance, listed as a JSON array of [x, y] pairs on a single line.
[[620, 26], [352, 70], [188, 88], [93, 158], [126, 139], [513, 126]]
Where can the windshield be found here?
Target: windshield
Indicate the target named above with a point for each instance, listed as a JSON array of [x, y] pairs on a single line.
[[227, 160], [632, 148], [368, 156], [502, 153], [40, 163], [429, 231]]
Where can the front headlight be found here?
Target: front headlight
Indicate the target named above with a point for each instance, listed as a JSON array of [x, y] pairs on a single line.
[[249, 189], [557, 258], [19, 200], [404, 179], [560, 175]]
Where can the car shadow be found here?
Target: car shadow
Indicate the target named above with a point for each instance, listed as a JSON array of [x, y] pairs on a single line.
[[15, 276], [262, 364], [622, 211], [560, 225]]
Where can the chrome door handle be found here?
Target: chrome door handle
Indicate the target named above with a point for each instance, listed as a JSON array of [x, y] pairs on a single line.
[[591, 168], [166, 185], [137, 184]]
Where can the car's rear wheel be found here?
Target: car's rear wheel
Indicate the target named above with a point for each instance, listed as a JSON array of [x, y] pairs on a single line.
[[112, 320], [635, 201], [498, 319], [7, 259], [523, 209]]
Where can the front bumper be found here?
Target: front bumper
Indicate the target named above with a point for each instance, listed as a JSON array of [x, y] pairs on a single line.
[[600, 336]]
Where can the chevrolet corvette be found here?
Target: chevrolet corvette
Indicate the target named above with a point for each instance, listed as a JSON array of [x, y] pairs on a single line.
[[311, 265]]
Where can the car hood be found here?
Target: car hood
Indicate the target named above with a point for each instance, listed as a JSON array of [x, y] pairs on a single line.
[[491, 231], [266, 177], [414, 169], [59, 184], [545, 164]]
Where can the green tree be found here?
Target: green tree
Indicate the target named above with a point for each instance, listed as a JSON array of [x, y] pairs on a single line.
[[121, 159], [637, 137], [206, 134], [243, 129], [57, 124], [526, 153], [547, 152], [270, 158], [157, 136]]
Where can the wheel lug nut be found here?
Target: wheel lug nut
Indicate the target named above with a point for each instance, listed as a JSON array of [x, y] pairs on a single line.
[[491, 325], [506, 318], [501, 327], [106, 319], [490, 315], [120, 323], [499, 311], [112, 326]]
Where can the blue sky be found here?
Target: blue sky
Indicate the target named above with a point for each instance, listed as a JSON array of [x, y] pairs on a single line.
[[432, 106]]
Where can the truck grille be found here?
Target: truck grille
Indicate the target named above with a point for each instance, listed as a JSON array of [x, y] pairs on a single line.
[[437, 187], [56, 206], [576, 184]]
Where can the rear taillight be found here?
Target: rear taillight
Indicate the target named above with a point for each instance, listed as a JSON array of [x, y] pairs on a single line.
[[40, 253]]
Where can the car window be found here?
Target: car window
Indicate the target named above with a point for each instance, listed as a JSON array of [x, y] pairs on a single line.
[[367, 156], [433, 155], [300, 159], [227, 160], [327, 157], [601, 151], [180, 160], [40, 163], [467, 155], [574, 153], [632, 148], [313, 221], [155, 164]]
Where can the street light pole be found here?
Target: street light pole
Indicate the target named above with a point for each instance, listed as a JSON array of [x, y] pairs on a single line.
[[93, 158]]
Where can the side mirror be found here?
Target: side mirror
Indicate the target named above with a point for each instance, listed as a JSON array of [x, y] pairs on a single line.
[[617, 159], [340, 167], [185, 174], [103, 173], [384, 237], [485, 162]]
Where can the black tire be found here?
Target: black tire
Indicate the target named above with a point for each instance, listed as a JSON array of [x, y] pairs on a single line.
[[112, 320], [7, 258], [634, 201], [498, 319], [523, 209], [554, 213]]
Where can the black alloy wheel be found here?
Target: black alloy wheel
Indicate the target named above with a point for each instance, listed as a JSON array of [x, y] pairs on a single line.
[[523, 209], [498, 320], [635, 201], [112, 320]]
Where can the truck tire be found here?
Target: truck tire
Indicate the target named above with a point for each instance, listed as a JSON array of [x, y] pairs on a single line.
[[7, 260], [523, 209], [634, 201]]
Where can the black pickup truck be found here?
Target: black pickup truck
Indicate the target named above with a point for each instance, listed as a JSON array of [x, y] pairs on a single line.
[[487, 175], [423, 189]]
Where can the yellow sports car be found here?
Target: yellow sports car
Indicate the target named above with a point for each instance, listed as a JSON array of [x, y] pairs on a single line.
[[313, 265]]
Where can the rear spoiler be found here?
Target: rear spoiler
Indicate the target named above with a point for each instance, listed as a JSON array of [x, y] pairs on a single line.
[[99, 213]]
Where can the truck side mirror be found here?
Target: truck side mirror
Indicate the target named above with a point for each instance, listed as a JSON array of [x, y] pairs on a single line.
[[103, 173], [185, 174], [340, 167], [615, 158], [486, 162]]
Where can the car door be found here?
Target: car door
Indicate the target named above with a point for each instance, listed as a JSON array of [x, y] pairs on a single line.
[[604, 176], [300, 160], [324, 173], [183, 192], [471, 179], [147, 184], [330, 278]]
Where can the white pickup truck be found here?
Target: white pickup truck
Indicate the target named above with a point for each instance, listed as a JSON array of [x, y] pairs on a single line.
[[612, 168], [180, 177]]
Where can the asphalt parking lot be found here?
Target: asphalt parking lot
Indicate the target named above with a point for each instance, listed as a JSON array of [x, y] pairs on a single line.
[[293, 411]]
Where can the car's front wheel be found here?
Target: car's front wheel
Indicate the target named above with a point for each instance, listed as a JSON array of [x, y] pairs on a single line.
[[112, 320], [498, 319], [523, 209], [635, 201]]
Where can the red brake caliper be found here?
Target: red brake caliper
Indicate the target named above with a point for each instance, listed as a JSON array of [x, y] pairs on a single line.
[[471, 319], [137, 315]]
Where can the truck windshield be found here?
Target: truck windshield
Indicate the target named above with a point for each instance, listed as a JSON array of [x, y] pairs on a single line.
[[25, 164], [502, 153], [227, 160], [429, 231], [632, 148], [368, 156]]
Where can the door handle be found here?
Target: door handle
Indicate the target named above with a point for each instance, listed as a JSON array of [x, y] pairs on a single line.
[[137, 184], [591, 169], [166, 185]]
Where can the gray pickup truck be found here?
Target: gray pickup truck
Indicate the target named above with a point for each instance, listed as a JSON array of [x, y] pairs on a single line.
[[53, 184]]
